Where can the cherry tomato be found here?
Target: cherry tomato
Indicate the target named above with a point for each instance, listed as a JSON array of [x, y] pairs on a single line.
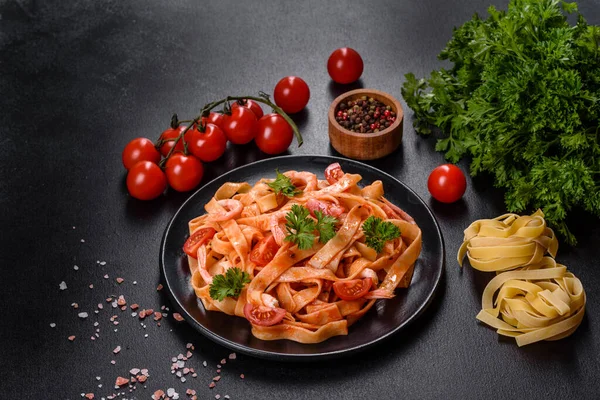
[[213, 118], [291, 94], [169, 136], [146, 181], [333, 173], [352, 289], [208, 145], [345, 65], [250, 104], [197, 239], [139, 149], [183, 172], [263, 316], [264, 251], [240, 126], [447, 183], [274, 135]]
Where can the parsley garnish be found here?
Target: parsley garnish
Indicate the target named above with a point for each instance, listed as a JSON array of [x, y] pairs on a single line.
[[377, 232], [283, 184], [520, 100], [300, 227], [228, 285], [325, 226]]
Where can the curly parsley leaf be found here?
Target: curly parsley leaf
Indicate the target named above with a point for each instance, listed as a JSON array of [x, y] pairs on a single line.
[[377, 232], [229, 284], [325, 226], [522, 101], [300, 227], [282, 184]]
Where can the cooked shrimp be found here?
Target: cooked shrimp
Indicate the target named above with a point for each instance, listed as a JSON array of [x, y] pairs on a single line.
[[233, 209], [325, 207], [308, 180], [393, 211], [202, 267]]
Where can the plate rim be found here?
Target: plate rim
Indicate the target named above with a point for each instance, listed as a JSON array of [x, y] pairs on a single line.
[[270, 355]]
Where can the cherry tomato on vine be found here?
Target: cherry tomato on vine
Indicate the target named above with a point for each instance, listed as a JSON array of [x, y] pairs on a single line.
[[274, 135], [169, 136], [197, 239], [263, 316], [146, 181], [240, 126], [208, 145], [352, 289], [213, 118], [447, 183], [264, 251], [291, 94], [345, 65], [139, 149], [183, 172], [251, 104]]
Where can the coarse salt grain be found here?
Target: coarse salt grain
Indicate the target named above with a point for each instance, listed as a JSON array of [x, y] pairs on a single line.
[[177, 317], [82, 315], [232, 356], [120, 381], [117, 349], [159, 394], [71, 338], [62, 285], [52, 325], [134, 371], [75, 267], [120, 280], [102, 262]]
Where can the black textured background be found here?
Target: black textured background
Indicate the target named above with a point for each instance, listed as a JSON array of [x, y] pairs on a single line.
[[79, 79]]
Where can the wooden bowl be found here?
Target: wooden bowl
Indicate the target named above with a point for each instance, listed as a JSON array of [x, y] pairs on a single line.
[[366, 146]]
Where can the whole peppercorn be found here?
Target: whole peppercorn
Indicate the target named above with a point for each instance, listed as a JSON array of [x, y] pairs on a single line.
[[364, 115]]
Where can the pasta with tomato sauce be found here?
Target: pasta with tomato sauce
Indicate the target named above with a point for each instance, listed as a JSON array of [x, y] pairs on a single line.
[[302, 286]]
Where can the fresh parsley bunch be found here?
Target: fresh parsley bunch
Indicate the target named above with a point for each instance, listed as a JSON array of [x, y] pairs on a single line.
[[522, 99]]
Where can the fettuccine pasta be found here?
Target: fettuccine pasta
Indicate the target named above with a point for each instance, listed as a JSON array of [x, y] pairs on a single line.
[[244, 222], [532, 298]]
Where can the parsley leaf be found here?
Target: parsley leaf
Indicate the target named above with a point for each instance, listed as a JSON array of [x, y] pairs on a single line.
[[325, 226], [229, 284], [377, 232], [300, 227], [521, 101], [283, 184]]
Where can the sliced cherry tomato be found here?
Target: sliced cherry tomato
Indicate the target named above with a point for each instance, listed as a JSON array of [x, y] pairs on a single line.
[[197, 239], [146, 181], [139, 149], [264, 251], [447, 183], [250, 104], [333, 173], [345, 65], [184, 173], [240, 126], [291, 94], [352, 289], [263, 316], [208, 145], [274, 134], [214, 118], [169, 137]]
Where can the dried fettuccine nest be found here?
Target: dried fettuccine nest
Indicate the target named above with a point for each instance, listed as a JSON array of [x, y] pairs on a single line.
[[540, 302], [507, 242], [532, 298]]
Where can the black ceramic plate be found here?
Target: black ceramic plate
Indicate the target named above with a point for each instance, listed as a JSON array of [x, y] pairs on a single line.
[[384, 319]]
